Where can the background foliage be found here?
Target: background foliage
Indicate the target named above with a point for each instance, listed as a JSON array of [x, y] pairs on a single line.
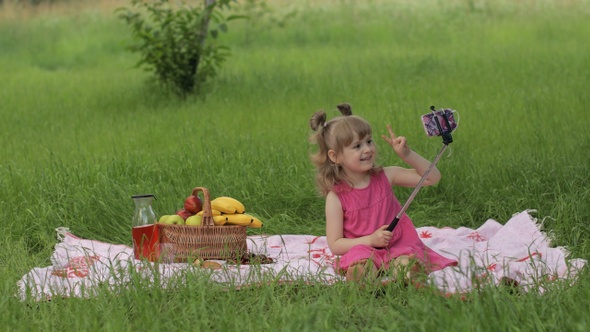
[[176, 40]]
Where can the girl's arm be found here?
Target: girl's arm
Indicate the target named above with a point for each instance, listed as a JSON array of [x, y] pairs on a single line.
[[408, 177], [338, 244]]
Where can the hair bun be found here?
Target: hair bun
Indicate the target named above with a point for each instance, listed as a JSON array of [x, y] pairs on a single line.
[[345, 109], [318, 119]]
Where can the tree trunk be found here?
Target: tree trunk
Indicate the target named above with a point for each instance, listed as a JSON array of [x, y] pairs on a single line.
[[202, 36], [204, 28]]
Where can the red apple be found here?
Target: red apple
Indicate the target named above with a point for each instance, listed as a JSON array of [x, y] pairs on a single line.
[[184, 213], [193, 204]]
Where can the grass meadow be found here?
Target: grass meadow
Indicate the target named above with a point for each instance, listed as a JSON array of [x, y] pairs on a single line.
[[82, 130]]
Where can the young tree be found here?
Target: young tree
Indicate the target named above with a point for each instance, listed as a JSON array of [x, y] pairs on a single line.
[[173, 39]]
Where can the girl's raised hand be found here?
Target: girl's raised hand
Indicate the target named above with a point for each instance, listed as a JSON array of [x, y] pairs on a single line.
[[398, 143]]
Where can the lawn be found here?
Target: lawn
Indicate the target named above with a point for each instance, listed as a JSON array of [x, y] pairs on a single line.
[[83, 129]]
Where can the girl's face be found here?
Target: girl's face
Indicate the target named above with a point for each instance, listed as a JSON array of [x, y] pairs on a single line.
[[359, 156]]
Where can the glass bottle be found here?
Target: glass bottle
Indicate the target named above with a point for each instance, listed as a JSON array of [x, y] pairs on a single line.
[[144, 213], [145, 231]]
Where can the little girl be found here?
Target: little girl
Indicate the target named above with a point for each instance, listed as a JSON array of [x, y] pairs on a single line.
[[360, 203]]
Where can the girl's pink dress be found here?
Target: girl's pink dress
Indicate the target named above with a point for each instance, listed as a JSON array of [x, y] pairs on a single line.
[[367, 209]]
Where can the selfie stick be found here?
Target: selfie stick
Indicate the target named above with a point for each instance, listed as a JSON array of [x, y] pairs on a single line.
[[447, 139]]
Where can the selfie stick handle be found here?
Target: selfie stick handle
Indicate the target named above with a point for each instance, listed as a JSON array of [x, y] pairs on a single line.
[[447, 138], [415, 192]]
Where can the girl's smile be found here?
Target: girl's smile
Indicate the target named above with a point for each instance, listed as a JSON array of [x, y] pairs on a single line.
[[367, 158]]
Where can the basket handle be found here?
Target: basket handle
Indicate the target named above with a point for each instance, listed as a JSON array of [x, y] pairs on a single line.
[[207, 214]]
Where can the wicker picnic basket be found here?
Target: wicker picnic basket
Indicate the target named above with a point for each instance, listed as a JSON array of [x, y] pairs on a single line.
[[209, 241]]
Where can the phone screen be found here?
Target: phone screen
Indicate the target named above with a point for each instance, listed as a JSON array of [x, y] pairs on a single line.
[[430, 126]]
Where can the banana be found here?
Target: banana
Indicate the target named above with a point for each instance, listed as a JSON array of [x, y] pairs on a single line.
[[223, 206], [219, 220], [228, 205], [256, 223], [242, 219], [239, 219], [213, 212]]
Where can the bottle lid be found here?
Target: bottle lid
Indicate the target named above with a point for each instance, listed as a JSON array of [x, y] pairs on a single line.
[[144, 196]]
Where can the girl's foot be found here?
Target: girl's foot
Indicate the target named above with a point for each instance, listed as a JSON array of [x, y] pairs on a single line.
[[406, 269], [362, 271], [355, 273]]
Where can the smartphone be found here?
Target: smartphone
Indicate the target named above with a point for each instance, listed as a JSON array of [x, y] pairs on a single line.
[[431, 127]]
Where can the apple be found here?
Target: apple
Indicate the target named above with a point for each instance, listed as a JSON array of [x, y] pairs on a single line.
[[195, 220], [193, 204], [184, 213], [163, 218], [175, 220]]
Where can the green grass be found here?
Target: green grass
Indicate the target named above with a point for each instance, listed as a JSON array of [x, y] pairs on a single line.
[[82, 130]]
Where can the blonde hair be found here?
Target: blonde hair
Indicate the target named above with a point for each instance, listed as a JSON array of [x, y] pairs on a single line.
[[335, 135]]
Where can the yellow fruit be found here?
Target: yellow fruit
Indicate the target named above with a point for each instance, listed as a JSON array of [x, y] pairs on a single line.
[[240, 208], [239, 219], [213, 212], [223, 207], [227, 205], [256, 223], [219, 220]]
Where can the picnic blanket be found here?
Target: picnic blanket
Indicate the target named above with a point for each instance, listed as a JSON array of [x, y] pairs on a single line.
[[517, 250]]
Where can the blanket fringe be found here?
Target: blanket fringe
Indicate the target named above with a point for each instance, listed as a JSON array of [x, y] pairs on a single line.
[[61, 233], [549, 234], [538, 223]]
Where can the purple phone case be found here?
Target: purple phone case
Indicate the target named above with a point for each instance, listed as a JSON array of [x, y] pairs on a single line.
[[430, 124]]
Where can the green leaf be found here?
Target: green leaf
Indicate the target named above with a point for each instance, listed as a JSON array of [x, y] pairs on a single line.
[[236, 17]]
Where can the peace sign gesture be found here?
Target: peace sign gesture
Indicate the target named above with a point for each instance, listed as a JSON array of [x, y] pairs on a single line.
[[398, 143]]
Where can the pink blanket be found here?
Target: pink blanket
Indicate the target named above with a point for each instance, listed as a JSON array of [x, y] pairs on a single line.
[[517, 250]]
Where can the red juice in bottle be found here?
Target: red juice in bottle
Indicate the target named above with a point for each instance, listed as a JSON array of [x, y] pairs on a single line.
[[146, 244]]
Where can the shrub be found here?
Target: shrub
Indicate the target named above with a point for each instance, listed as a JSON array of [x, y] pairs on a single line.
[[173, 39]]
